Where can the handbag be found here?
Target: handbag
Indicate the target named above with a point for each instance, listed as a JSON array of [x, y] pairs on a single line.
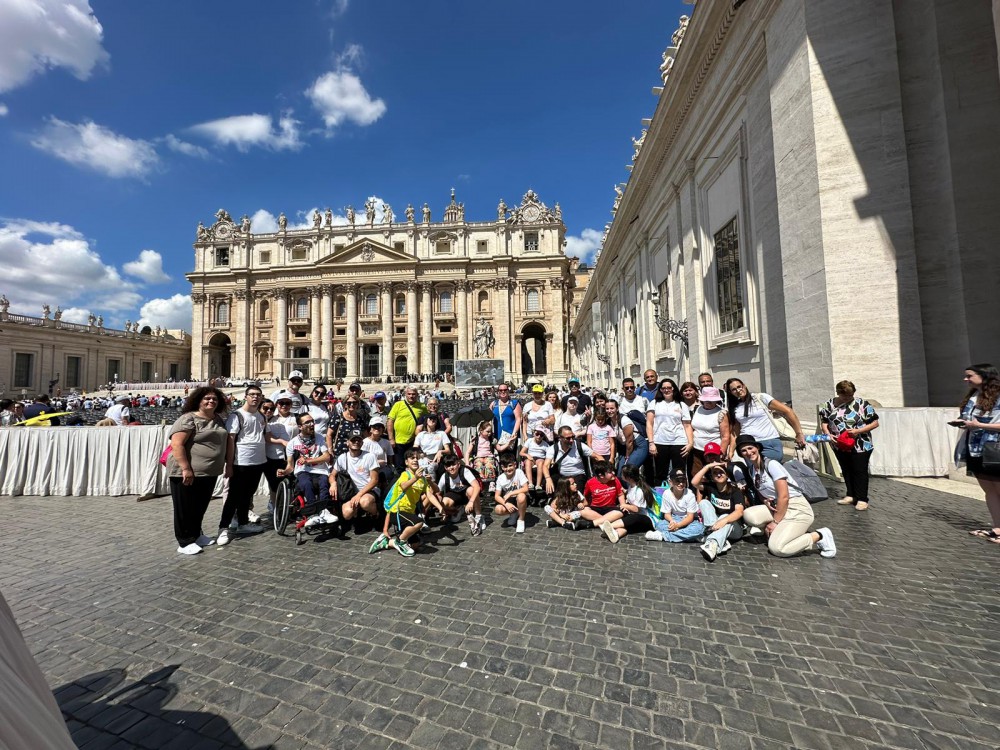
[[785, 431], [991, 458]]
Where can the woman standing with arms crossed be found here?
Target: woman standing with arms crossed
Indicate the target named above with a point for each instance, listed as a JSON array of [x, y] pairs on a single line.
[[198, 442], [844, 414], [980, 422], [668, 430]]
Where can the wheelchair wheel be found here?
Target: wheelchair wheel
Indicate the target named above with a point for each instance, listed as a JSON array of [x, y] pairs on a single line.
[[282, 507]]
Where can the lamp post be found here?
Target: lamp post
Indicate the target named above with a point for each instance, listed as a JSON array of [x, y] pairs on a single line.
[[675, 329]]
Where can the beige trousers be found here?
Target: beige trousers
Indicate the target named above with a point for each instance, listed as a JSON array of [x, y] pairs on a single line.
[[792, 535]]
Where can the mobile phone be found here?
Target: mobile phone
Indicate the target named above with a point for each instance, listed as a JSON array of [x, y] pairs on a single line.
[[957, 423]]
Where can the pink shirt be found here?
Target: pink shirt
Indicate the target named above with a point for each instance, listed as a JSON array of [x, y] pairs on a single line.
[[602, 438]]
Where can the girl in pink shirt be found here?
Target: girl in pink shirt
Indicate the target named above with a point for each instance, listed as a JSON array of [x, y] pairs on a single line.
[[601, 436]]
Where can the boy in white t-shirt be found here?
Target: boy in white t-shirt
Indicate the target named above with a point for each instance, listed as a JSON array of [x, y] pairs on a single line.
[[679, 508], [377, 444], [571, 418], [511, 495]]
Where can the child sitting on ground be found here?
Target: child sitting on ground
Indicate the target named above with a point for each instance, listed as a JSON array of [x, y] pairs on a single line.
[[565, 507], [533, 454], [511, 494], [402, 503], [604, 494], [633, 518], [679, 509]]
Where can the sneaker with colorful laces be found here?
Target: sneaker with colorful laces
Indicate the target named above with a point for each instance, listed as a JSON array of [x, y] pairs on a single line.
[[379, 544]]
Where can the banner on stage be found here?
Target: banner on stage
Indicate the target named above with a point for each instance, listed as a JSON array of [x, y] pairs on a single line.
[[478, 373]]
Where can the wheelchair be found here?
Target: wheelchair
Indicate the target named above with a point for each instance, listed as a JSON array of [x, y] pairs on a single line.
[[291, 509]]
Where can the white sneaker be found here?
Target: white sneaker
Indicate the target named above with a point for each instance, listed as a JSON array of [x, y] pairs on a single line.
[[204, 541], [328, 516], [754, 531], [654, 536], [254, 518], [519, 529], [191, 549], [223, 538], [313, 521], [710, 550], [827, 547], [249, 528], [609, 532], [725, 547]]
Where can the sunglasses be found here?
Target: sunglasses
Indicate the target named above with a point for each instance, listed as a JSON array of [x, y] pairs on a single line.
[[267, 408], [306, 424]]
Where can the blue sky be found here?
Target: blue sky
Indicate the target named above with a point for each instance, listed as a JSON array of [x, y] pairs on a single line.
[[124, 124]]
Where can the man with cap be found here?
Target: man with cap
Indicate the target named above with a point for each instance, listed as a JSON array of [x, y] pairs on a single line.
[[295, 379], [119, 412], [584, 403], [309, 460], [379, 409], [362, 469]]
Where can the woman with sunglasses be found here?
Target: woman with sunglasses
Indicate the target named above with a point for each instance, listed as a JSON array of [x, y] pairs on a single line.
[[339, 430], [668, 430], [721, 504], [778, 507], [318, 408], [198, 444]]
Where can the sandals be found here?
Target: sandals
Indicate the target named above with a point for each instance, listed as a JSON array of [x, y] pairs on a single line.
[[986, 534]]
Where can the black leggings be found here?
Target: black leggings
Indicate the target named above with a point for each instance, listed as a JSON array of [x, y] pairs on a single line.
[[190, 503], [854, 467], [636, 523], [668, 459]]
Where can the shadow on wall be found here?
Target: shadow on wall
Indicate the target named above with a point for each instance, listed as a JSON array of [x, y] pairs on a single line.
[[99, 708]]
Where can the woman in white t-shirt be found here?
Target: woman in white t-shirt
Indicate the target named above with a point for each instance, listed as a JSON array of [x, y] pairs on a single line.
[[668, 430], [748, 415], [433, 441], [537, 414], [710, 424], [778, 507]]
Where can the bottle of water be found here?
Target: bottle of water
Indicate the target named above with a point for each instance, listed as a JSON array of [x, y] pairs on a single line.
[[819, 438]]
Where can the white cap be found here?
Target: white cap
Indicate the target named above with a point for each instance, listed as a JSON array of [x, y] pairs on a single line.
[[295, 374]]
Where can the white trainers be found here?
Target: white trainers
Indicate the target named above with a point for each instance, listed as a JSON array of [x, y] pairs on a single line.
[[654, 536], [726, 547], [249, 528], [254, 518], [754, 530], [710, 550], [609, 532], [519, 529], [223, 538], [328, 516], [313, 521], [191, 549], [827, 547], [204, 541]]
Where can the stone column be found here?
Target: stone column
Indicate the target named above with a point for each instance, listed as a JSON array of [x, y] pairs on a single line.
[[326, 330], [411, 326], [242, 329], [426, 328], [504, 348], [386, 289], [280, 332], [197, 338], [556, 354], [316, 334], [352, 330], [462, 307]]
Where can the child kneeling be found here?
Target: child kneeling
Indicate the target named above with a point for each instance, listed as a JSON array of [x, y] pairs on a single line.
[[401, 503]]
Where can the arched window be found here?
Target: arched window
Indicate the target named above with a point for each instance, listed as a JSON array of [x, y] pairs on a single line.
[[400, 304], [371, 304], [302, 307], [341, 307], [265, 310], [444, 299], [222, 313], [534, 300], [483, 302]]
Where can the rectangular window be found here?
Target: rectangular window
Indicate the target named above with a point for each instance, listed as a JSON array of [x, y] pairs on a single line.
[[445, 329], [115, 370], [222, 256], [442, 247], [531, 242], [371, 305], [482, 246], [400, 246], [729, 278], [24, 370], [265, 257], [298, 253], [74, 365], [146, 372], [340, 332], [174, 371], [341, 308], [400, 329]]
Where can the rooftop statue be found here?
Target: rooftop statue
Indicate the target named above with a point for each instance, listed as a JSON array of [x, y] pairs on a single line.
[[282, 221], [409, 212], [350, 215]]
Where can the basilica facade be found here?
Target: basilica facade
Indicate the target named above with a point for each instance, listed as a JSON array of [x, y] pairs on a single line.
[[374, 297]]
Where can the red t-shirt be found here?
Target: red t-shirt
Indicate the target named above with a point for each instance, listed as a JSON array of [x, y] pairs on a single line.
[[601, 495]]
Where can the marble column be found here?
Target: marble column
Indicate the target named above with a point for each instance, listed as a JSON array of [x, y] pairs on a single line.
[[412, 338], [386, 289], [426, 328], [241, 325], [316, 337], [462, 313], [504, 348], [326, 330], [556, 354], [280, 333], [198, 341], [352, 330]]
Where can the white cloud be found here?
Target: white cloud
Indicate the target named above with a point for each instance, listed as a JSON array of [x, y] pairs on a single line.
[[340, 96], [148, 267], [183, 147], [173, 312], [44, 34], [3, 110], [584, 246], [91, 145], [76, 315], [304, 219], [264, 221], [245, 131], [339, 7], [52, 263]]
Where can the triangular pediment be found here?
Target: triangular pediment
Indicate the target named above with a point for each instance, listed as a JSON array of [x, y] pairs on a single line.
[[366, 252]]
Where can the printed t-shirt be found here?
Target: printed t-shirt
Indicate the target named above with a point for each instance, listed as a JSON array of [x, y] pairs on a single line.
[[459, 483], [534, 417], [250, 447], [724, 501], [601, 495], [602, 438], [668, 419], [757, 423], [411, 496], [431, 442], [358, 468], [404, 425], [312, 449]]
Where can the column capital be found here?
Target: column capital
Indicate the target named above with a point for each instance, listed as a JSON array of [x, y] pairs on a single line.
[[559, 283], [504, 282], [314, 291], [385, 287], [240, 294], [349, 288], [463, 285], [198, 298], [326, 289], [410, 286], [425, 286]]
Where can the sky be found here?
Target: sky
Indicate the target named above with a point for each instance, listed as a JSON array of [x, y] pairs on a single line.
[[124, 124]]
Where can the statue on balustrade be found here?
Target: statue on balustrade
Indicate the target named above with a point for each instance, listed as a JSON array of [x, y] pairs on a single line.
[[58, 313], [427, 214], [4, 303], [317, 219], [370, 211], [282, 221], [46, 311], [350, 215], [387, 214], [409, 212]]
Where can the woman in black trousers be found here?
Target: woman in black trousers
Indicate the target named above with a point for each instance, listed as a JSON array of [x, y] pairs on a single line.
[[850, 420]]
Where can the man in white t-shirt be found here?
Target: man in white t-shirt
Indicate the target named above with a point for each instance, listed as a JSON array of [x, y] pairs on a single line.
[[630, 399], [119, 412], [566, 459], [292, 392], [246, 456], [309, 460], [362, 468]]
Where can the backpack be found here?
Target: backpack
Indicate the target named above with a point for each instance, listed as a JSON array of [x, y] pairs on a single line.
[[638, 419], [395, 494], [806, 481]]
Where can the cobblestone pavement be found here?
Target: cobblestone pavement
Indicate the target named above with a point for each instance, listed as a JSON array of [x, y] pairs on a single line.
[[547, 639]]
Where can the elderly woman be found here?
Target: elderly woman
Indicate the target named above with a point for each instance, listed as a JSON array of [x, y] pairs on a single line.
[[980, 423], [778, 507], [854, 418], [198, 442], [749, 415]]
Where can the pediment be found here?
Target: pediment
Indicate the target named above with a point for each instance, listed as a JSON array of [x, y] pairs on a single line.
[[366, 252]]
